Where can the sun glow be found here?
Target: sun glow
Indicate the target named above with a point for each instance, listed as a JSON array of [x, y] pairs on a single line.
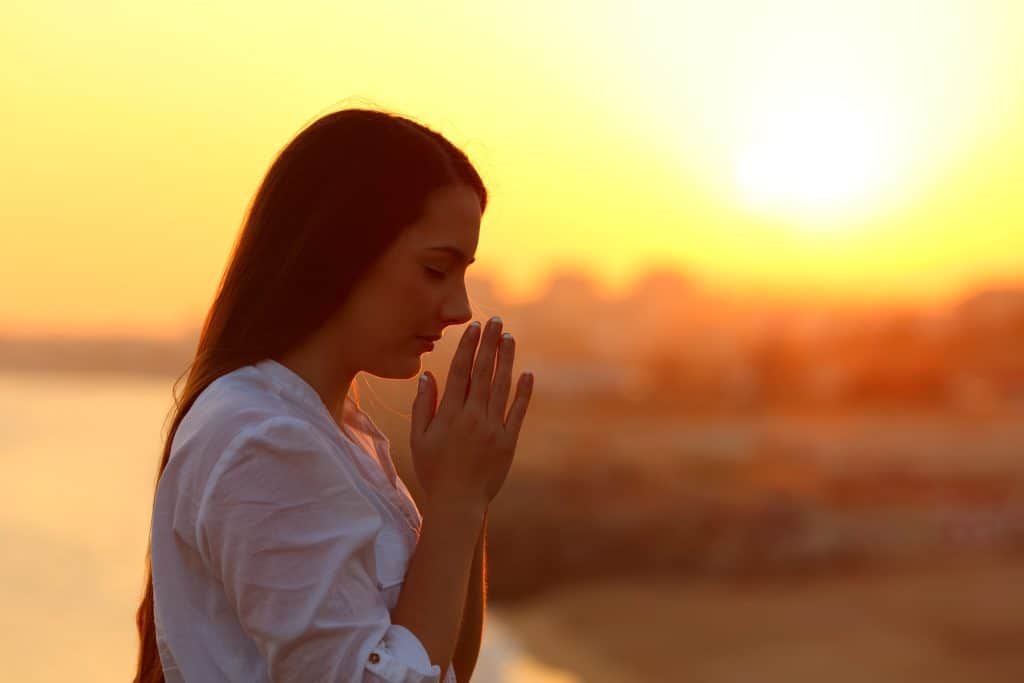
[[838, 118], [863, 149], [814, 156], [822, 114]]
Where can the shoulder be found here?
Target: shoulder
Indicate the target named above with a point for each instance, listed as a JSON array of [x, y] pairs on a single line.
[[242, 394], [273, 442], [235, 406], [278, 475], [239, 425], [277, 463]]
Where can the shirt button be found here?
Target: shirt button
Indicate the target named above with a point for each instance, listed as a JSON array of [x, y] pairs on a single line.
[[374, 657]]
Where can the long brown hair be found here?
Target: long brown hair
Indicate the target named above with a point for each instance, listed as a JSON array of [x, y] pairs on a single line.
[[333, 200]]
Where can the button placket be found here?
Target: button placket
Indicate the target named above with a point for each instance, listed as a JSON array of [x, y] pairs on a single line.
[[399, 498], [396, 492]]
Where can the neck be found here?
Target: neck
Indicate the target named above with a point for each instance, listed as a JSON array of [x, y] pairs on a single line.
[[328, 378]]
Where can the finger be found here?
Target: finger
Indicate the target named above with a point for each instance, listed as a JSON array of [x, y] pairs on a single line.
[[502, 378], [483, 371], [524, 390], [425, 403], [458, 375]]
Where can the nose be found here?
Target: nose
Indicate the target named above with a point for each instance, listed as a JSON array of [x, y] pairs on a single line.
[[457, 310], [459, 319]]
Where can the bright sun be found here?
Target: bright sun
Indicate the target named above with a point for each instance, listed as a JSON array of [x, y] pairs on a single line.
[[814, 155], [816, 134], [821, 113]]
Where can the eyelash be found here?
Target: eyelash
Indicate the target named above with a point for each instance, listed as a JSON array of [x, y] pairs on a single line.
[[436, 274]]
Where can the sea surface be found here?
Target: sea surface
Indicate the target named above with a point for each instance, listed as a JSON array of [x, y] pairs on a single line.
[[78, 458]]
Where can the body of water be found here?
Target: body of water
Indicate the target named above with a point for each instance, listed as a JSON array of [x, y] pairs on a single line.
[[78, 458]]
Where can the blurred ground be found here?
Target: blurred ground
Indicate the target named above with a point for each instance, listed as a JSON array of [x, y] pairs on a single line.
[[958, 621]]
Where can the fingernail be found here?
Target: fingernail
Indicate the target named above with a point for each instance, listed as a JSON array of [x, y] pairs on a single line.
[[496, 320], [423, 381], [475, 325]]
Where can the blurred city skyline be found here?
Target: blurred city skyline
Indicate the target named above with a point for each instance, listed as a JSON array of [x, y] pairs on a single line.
[[670, 341], [579, 284]]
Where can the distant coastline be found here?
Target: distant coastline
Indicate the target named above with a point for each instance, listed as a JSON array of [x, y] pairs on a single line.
[[96, 355], [669, 342]]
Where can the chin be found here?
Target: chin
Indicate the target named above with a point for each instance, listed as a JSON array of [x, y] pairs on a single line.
[[406, 368]]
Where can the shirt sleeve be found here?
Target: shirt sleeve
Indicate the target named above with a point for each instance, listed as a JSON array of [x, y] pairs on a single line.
[[284, 527]]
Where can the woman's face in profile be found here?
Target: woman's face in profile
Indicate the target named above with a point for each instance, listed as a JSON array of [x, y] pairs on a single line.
[[417, 288]]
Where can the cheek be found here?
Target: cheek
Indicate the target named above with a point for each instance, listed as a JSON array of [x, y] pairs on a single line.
[[417, 300], [421, 290]]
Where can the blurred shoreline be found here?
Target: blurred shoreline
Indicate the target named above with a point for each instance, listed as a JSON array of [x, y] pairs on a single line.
[[670, 345], [958, 620]]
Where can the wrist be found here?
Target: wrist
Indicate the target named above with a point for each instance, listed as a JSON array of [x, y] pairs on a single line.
[[471, 514]]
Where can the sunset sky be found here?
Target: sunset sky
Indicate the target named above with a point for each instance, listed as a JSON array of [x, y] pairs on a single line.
[[853, 149]]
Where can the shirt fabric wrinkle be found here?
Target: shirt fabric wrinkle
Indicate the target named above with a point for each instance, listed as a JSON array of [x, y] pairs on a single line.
[[280, 540]]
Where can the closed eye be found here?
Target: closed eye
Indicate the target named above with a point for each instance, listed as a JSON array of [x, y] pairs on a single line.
[[436, 274]]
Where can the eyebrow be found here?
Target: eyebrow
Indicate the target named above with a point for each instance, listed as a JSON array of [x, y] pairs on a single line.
[[454, 250]]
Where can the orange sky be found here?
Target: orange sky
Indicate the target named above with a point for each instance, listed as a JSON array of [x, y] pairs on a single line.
[[865, 150]]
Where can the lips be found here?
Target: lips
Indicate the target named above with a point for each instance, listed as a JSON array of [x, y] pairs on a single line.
[[430, 338]]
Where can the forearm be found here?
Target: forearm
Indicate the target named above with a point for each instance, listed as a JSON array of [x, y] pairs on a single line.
[[467, 650], [434, 594]]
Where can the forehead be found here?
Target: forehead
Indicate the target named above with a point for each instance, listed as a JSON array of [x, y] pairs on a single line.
[[450, 217]]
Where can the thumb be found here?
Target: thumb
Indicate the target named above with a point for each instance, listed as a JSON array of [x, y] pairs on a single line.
[[424, 404]]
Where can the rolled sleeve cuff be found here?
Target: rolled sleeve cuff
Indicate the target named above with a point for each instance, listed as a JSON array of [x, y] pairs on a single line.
[[401, 658]]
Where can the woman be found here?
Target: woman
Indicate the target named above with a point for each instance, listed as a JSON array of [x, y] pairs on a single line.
[[284, 547]]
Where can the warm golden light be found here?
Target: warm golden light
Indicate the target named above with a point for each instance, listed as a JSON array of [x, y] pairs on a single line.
[[812, 157], [870, 146], [830, 112]]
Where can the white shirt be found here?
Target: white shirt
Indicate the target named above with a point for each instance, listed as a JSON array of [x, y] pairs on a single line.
[[280, 541]]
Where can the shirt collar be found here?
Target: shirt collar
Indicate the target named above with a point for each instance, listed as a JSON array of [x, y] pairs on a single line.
[[292, 385]]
